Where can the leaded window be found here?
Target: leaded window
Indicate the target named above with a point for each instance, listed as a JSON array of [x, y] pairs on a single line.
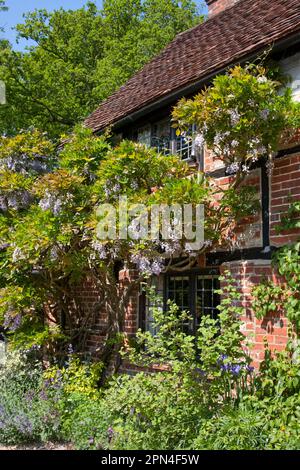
[[162, 137], [185, 144], [194, 292]]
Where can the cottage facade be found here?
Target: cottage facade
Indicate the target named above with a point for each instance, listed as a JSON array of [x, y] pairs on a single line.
[[237, 31]]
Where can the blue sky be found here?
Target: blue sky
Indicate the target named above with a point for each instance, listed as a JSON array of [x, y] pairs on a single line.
[[18, 7]]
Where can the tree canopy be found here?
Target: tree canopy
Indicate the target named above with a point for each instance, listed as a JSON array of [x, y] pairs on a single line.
[[80, 57]]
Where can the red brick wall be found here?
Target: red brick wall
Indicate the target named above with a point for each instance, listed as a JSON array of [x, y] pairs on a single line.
[[248, 231], [285, 188], [131, 317], [272, 328], [211, 163], [89, 298]]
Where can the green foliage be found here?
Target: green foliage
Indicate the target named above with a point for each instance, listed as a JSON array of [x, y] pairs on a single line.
[[241, 117], [234, 429], [147, 411], [205, 397], [287, 261], [291, 219], [133, 169], [216, 357], [164, 410], [87, 426], [3, 7], [222, 348], [156, 411], [77, 377], [268, 417], [171, 345], [283, 297], [48, 202], [268, 298], [28, 410], [81, 56], [83, 153], [279, 372], [22, 315]]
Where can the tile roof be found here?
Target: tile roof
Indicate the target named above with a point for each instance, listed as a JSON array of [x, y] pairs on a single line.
[[247, 27]]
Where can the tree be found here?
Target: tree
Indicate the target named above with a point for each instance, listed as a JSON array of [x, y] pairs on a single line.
[[80, 57], [52, 202], [3, 7]]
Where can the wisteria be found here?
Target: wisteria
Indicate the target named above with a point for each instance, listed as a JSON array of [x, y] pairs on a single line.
[[245, 168], [265, 114], [199, 140], [12, 321], [54, 203], [100, 249], [17, 255], [106, 251], [24, 164], [208, 243], [220, 137], [262, 79], [170, 247], [232, 168], [270, 166], [16, 200], [234, 116], [135, 185], [147, 266], [54, 253]]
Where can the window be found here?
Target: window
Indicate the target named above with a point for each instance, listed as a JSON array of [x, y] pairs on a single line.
[[194, 292], [162, 137], [144, 135], [145, 306]]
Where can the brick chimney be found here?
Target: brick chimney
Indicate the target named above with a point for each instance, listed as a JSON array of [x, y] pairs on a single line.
[[216, 6]]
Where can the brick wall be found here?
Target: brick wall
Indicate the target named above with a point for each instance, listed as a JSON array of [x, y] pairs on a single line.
[[285, 188], [89, 299], [248, 231], [131, 317], [272, 328], [211, 163]]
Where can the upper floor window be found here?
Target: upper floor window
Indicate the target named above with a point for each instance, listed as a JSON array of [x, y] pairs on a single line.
[[163, 137], [185, 144]]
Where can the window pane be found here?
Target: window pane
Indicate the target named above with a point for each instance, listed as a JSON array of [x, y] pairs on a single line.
[[206, 300]]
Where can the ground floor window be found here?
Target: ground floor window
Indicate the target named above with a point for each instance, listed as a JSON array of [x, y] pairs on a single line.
[[194, 291]]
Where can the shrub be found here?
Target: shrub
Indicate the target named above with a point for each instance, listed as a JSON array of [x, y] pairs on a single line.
[[28, 409], [234, 429], [147, 411], [79, 391], [86, 424]]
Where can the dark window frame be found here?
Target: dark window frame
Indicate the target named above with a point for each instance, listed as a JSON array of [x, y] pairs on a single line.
[[192, 275], [212, 273]]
